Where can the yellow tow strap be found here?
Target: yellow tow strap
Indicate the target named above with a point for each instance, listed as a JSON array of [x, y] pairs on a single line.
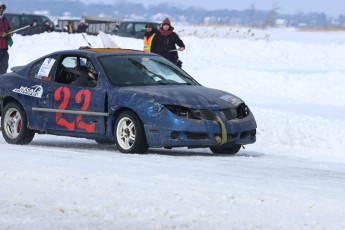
[[224, 137]]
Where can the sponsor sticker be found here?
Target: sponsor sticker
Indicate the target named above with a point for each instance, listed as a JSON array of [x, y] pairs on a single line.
[[33, 91], [46, 67], [233, 100]]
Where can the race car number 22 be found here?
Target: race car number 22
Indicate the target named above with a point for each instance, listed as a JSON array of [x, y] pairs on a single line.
[[82, 97]]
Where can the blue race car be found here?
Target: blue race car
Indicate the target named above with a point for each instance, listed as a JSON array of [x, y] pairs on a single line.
[[130, 98]]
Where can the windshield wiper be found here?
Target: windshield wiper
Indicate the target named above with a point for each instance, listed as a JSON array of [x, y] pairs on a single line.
[[175, 71], [144, 68]]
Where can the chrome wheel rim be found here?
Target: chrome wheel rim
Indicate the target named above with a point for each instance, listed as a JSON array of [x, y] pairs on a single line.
[[125, 133], [12, 123]]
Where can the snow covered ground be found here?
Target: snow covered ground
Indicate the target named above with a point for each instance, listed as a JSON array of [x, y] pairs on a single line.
[[292, 178]]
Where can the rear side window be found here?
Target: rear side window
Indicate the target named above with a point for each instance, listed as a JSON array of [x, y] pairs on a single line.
[[129, 27], [14, 21], [41, 19], [139, 27], [43, 69], [26, 20]]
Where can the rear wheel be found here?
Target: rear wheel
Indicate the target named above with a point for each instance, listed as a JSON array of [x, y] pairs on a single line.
[[15, 126], [226, 149], [130, 134]]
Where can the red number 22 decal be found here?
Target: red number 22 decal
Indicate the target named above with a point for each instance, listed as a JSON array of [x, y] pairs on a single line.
[[82, 94], [87, 96]]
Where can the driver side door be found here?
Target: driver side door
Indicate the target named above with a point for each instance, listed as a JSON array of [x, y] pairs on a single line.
[[76, 109]]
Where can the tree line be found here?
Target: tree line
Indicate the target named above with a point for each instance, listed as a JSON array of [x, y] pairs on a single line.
[[193, 15]]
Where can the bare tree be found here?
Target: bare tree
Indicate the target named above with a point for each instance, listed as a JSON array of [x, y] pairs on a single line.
[[251, 14], [272, 15]]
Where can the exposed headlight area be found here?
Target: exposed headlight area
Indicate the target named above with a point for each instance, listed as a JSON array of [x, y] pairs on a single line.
[[199, 114], [229, 114], [242, 111], [239, 112]]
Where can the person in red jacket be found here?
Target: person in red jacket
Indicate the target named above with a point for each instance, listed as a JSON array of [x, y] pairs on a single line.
[[5, 27], [165, 41]]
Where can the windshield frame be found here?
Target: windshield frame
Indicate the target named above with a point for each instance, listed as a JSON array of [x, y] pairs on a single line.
[[142, 70]]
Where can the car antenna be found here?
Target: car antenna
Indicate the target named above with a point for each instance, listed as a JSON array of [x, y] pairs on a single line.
[[86, 40]]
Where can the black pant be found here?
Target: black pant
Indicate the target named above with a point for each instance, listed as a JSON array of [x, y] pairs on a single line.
[[3, 61], [179, 63]]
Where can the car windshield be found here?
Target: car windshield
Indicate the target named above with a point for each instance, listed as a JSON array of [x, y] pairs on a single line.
[[128, 70]]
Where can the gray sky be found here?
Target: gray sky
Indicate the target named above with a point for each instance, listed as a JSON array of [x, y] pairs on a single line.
[[330, 7]]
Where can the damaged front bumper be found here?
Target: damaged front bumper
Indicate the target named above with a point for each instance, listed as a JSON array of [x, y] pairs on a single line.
[[170, 130]]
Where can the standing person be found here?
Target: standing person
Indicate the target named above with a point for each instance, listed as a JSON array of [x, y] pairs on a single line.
[[5, 27], [47, 27], [82, 27], [34, 28], [164, 43], [69, 28], [149, 34]]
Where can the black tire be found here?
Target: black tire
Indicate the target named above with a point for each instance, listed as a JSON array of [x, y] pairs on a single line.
[[229, 149], [130, 134], [105, 142], [14, 125]]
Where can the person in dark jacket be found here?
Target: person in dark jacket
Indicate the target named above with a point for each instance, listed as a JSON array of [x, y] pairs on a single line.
[[165, 41], [82, 27], [47, 27], [87, 76], [34, 28], [86, 79], [5, 27]]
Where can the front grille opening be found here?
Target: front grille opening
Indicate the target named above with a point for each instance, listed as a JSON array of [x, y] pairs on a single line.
[[244, 134], [232, 135], [229, 136], [196, 136], [188, 135], [174, 135], [252, 132]]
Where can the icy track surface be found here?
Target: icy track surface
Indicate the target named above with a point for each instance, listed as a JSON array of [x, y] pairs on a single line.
[[60, 183], [292, 178]]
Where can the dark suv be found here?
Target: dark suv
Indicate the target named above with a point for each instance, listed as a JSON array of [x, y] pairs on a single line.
[[135, 29], [21, 20]]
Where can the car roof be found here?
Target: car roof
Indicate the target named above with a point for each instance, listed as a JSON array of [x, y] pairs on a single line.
[[96, 52], [110, 50], [25, 14], [31, 16], [85, 50], [136, 21]]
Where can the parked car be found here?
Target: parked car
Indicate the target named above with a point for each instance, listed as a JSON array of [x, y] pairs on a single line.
[[21, 20], [139, 100], [135, 29]]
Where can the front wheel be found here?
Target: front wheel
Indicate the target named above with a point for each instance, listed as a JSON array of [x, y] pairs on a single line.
[[15, 126], [229, 149], [130, 134]]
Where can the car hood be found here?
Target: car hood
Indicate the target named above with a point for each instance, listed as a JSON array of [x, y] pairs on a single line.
[[199, 97]]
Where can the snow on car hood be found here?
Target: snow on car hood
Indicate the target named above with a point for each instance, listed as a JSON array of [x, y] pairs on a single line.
[[189, 96]]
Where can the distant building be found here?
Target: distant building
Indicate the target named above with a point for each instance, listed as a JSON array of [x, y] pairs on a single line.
[[281, 23], [302, 25]]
